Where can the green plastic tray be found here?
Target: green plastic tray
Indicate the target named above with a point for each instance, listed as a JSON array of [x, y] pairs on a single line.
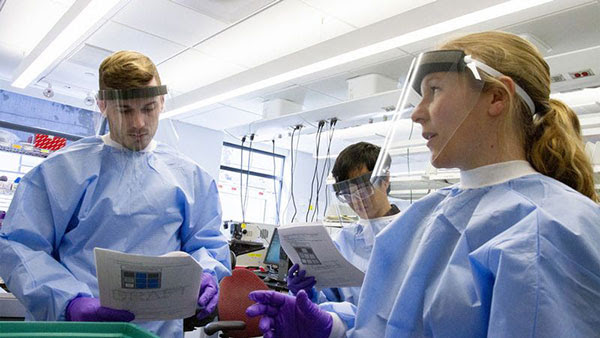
[[72, 329]]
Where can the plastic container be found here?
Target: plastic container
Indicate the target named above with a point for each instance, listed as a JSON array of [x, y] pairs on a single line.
[[72, 329], [369, 84]]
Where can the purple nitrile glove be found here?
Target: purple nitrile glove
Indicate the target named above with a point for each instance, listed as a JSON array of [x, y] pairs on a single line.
[[87, 309], [297, 280], [288, 316], [209, 295]]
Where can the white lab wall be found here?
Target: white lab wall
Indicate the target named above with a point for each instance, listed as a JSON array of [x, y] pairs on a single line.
[[201, 144], [302, 180], [303, 174]]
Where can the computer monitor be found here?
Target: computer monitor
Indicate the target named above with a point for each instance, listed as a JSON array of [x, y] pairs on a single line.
[[274, 249], [276, 257]]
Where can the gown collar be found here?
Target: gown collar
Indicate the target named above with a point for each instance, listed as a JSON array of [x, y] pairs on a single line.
[[369, 228], [112, 143], [494, 174]]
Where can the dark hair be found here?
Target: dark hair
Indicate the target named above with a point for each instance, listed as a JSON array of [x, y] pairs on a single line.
[[355, 157]]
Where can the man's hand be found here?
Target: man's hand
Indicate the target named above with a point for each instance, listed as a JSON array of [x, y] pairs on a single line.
[[209, 295], [88, 309]]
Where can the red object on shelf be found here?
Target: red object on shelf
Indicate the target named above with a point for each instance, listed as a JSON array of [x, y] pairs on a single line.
[[49, 142]]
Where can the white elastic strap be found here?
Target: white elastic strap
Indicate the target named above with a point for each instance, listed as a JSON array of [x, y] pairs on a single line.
[[473, 64]]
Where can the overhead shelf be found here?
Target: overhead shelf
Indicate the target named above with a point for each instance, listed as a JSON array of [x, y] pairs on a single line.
[[18, 149], [423, 181], [347, 113], [419, 184]]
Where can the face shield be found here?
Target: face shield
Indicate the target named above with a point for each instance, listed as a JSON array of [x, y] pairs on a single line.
[[362, 207], [360, 196], [442, 96], [132, 115]]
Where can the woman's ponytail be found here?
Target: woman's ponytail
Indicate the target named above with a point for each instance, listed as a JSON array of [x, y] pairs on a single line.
[[555, 148]]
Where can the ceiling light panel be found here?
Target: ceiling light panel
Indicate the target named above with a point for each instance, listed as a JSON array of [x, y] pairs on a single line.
[[222, 118], [114, 36], [308, 98], [169, 20], [285, 28], [11, 58], [73, 75], [26, 22], [557, 30], [249, 104], [228, 11], [78, 22], [585, 96], [90, 56], [193, 69], [361, 13]]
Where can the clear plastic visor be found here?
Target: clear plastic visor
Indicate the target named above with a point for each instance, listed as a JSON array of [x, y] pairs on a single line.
[[440, 96], [132, 115], [361, 196]]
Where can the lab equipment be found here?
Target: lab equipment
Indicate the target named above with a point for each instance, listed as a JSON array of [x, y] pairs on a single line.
[[243, 240], [276, 258], [88, 309], [289, 316], [273, 254]]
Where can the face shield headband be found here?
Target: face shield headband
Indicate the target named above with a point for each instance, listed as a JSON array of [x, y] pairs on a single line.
[[456, 60], [358, 188], [131, 93]]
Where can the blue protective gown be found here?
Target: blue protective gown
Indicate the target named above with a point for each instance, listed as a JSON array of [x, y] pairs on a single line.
[[355, 243], [519, 258], [95, 195]]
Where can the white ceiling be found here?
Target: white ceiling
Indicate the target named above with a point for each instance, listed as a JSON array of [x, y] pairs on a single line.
[[205, 48]]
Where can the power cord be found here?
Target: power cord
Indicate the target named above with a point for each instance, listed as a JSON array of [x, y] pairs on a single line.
[[293, 155], [242, 179], [248, 173], [315, 172], [331, 130], [275, 185]]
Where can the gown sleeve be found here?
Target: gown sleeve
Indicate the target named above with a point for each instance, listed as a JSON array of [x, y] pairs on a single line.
[[37, 219]]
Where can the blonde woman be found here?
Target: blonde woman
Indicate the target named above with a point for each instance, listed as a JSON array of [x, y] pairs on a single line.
[[512, 249]]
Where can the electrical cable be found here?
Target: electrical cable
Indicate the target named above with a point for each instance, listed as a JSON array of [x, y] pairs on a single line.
[[275, 185], [292, 171], [332, 124], [294, 155], [319, 181], [316, 171], [248, 172], [242, 179]]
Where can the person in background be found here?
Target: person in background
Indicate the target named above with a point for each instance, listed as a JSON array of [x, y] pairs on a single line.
[[121, 191], [352, 173], [512, 249]]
